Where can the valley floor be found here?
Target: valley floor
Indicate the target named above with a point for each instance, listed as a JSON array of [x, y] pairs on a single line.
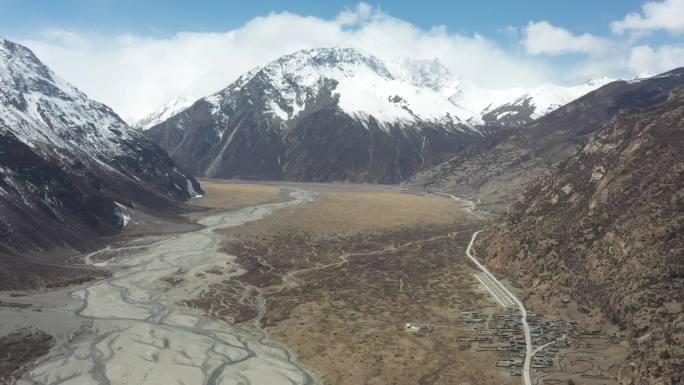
[[293, 283]]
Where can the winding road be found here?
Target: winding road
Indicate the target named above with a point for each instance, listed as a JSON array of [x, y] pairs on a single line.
[[529, 353]]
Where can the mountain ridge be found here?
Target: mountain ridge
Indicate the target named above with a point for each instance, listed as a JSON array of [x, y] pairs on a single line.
[[69, 165], [389, 127], [464, 100], [498, 173]]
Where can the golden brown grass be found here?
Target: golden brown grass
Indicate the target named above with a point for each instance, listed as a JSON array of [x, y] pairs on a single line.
[[221, 195], [345, 213], [343, 316], [341, 275], [346, 321]]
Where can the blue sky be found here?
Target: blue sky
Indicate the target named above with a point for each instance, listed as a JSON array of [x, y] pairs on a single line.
[[138, 55], [163, 18]]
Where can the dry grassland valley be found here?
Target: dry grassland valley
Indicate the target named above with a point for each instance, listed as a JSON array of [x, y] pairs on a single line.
[[321, 283], [423, 193]]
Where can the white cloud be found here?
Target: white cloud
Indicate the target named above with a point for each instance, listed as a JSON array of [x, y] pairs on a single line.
[[135, 75], [349, 17], [666, 15], [605, 56], [632, 61], [544, 38], [644, 58]]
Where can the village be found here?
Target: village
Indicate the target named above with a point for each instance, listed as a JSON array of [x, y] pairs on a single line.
[[501, 330]]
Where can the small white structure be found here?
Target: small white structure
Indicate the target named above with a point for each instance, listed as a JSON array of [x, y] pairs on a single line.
[[411, 328], [419, 329]]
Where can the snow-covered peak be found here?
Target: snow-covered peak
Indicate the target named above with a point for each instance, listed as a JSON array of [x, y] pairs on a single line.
[[21, 72], [308, 70], [40, 107], [404, 92], [168, 110], [305, 67], [363, 85], [327, 60], [424, 73]]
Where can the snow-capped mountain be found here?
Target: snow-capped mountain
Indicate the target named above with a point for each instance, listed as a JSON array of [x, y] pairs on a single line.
[[363, 84], [69, 162], [168, 110], [375, 122], [405, 91], [322, 114]]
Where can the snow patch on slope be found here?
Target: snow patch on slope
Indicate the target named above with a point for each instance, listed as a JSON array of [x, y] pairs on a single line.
[[120, 212]]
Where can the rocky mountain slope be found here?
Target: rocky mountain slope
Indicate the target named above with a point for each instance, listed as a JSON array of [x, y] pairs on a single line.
[[70, 169], [521, 154], [606, 226], [338, 114]]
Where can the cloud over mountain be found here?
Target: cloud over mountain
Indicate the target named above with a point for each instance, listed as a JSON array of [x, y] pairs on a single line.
[[138, 74]]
